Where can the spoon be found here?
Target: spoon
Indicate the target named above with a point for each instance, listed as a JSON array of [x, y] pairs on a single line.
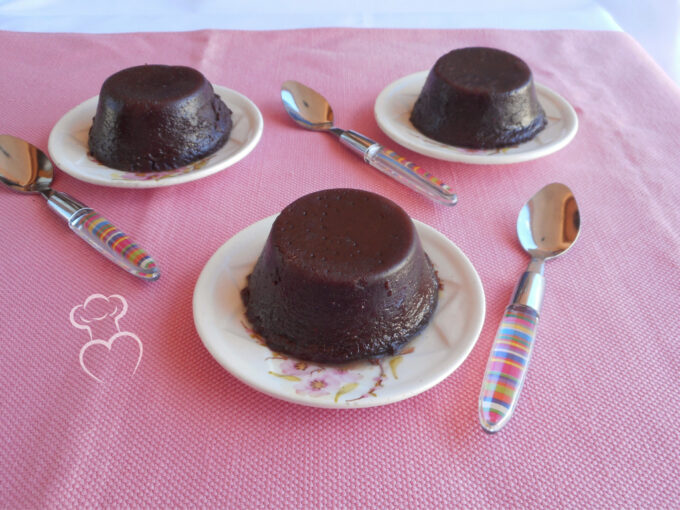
[[310, 110], [547, 226], [25, 168]]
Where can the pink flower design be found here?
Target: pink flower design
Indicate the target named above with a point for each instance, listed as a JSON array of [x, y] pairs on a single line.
[[318, 384], [345, 375], [325, 380], [298, 368]]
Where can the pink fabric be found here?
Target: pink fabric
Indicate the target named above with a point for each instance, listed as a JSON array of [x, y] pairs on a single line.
[[597, 422]]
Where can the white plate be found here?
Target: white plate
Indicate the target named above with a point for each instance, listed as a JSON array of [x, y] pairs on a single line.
[[393, 109], [68, 147], [430, 357]]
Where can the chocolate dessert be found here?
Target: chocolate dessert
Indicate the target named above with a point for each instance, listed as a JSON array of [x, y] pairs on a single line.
[[342, 277], [157, 117], [479, 98]]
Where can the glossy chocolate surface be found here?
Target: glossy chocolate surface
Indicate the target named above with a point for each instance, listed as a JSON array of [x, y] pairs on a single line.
[[157, 117], [342, 276], [479, 98]]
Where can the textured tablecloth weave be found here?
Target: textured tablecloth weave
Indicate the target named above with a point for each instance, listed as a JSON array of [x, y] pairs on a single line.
[[597, 423]]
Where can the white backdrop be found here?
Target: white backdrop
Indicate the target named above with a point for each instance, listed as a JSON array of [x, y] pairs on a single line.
[[654, 23]]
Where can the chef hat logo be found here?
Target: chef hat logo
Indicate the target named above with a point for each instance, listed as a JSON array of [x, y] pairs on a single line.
[[98, 309]]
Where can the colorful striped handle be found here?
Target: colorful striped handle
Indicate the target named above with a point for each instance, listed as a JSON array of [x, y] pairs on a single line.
[[411, 175], [507, 366], [393, 165], [114, 244]]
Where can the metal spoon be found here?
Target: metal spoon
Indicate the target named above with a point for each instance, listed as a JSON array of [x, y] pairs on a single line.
[[25, 168], [310, 110], [547, 226]]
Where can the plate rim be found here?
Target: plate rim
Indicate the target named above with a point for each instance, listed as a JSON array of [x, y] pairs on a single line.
[[60, 127], [443, 154], [207, 273]]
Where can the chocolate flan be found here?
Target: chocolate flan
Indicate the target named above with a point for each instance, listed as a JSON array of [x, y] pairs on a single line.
[[342, 276], [157, 117], [479, 98]]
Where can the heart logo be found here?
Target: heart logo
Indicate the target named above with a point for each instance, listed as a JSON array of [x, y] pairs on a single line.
[[100, 315], [97, 355]]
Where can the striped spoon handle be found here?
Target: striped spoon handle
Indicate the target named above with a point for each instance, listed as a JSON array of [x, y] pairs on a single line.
[[396, 167], [103, 236], [507, 366]]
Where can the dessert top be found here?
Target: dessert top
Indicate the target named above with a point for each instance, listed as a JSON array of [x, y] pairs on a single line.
[[483, 69], [154, 83], [344, 234]]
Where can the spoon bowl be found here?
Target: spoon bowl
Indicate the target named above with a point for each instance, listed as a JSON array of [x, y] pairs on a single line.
[[549, 223], [306, 107], [24, 167]]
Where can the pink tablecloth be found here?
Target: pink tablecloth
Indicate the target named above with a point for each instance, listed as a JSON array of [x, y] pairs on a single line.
[[597, 424]]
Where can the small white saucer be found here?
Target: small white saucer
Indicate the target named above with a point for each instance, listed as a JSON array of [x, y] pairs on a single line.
[[428, 359], [68, 147], [393, 109]]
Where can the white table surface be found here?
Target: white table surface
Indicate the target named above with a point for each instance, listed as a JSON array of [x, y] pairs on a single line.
[[654, 23]]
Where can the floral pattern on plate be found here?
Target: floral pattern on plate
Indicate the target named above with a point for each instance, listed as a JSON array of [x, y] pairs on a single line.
[[152, 176], [351, 382]]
